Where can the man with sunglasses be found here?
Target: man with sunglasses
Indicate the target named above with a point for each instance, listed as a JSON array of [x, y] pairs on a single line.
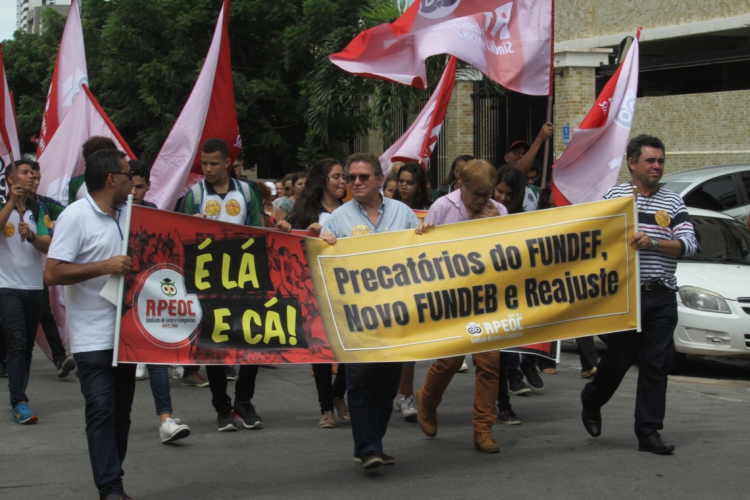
[[371, 386], [473, 200], [86, 250]]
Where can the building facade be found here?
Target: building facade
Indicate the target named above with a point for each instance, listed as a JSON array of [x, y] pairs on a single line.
[[29, 13]]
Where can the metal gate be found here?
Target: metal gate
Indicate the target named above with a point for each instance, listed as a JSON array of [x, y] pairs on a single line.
[[502, 117]]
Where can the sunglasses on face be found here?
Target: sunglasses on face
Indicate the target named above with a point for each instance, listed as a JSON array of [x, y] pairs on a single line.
[[352, 178]]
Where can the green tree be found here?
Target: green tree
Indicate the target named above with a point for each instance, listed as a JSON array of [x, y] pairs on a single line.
[[29, 62]]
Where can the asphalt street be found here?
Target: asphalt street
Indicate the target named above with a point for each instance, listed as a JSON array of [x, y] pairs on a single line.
[[549, 456]]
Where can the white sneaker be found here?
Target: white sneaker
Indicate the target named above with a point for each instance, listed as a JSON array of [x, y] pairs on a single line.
[[177, 372], [172, 430], [398, 402], [409, 408], [140, 372], [464, 368]]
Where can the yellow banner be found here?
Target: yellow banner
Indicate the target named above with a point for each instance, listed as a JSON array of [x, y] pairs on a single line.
[[479, 285]]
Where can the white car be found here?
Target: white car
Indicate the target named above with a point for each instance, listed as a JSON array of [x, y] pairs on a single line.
[[724, 188], [713, 303]]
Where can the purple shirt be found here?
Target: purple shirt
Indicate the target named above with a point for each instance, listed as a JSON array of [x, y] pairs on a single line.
[[448, 209]]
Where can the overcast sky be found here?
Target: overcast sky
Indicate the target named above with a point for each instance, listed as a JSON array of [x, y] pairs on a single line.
[[7, 19]]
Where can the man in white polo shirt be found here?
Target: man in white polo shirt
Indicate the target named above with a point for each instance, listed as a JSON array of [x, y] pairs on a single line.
[[85, 251], [24, 238]]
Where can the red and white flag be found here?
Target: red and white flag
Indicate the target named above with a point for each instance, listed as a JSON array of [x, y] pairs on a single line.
[[511, 43], [419, 141], [8, 129], [209, 112], [63, 158], [69, 75], [591, 162]]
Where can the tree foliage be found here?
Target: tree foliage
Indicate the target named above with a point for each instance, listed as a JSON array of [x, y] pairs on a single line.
[[293, 105]]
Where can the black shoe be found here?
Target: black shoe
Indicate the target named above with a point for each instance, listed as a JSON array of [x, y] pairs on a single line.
[[534, 380], [226, 421], [245, 415], [655, 445], [3, 369], [592, 421], [230, 372], [517, 387], [65, 366], [371, 460]]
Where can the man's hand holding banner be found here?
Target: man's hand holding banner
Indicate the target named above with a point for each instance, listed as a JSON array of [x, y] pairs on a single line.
[[207, 292]]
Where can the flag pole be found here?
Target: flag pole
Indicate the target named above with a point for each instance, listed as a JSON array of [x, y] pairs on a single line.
[[14, 173], [546, 144], [121, 281]]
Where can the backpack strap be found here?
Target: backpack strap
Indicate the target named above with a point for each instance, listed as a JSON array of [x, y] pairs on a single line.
[[197, 190]]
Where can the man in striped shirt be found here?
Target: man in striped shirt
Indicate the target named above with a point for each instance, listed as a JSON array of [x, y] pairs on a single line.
[[665, 232]]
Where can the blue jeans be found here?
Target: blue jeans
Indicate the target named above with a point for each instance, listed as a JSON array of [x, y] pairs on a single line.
[[108, 392], [158, 377], [19, 313], [652, 346], [371, 388]]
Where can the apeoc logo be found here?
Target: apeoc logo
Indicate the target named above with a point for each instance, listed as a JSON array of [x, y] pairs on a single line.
[[474, 329], [436, 9], [164, 310]]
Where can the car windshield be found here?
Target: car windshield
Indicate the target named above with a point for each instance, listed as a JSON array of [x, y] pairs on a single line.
[[677, 187], [721, 240]]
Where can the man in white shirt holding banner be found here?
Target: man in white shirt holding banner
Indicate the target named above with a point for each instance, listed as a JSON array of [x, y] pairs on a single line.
[[85, 251]]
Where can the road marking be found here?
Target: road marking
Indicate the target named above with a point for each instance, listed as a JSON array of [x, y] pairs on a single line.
[[709, 381], [718, 398]]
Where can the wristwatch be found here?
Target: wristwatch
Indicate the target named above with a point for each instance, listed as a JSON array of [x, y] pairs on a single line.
[[654, 243]]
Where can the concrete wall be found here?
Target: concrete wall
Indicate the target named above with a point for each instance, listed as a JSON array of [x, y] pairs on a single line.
[[698, 130], [577, 19]]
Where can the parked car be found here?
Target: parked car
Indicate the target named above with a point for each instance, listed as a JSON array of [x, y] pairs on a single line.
[[713, 302], [724, 188]]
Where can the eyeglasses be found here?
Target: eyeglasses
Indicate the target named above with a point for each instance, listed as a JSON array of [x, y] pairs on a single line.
[[402, 182], [128, 174], [352, 178], [531, 178], [480, 195]]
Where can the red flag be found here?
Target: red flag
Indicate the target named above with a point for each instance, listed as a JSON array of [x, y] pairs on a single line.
[[63, 158], [69, 76], [510, 43], [8, 132], [591, 162], [419, 141], [209, 112]]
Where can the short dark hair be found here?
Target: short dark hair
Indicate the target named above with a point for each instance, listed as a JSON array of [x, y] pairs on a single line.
[[141, 169], [214, 145], [34, 165], [99, 165], [370, 158], [636, 143], [287, 177], [97, 143]]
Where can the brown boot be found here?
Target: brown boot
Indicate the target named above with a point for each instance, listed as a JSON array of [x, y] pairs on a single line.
[[427, 417], [484, 442]]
